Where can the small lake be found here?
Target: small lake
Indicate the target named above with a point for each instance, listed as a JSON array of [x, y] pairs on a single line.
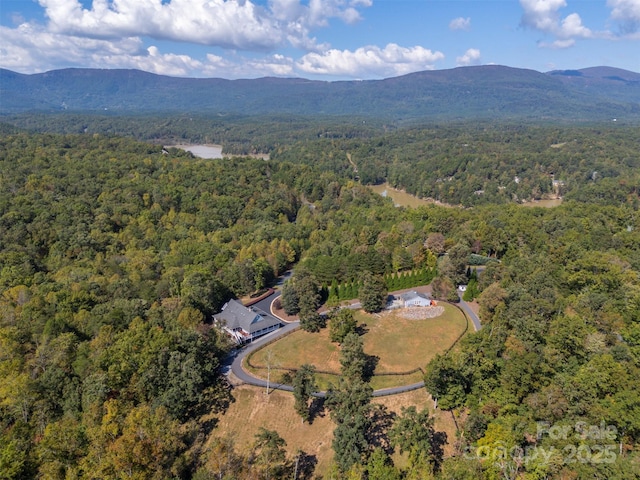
[[211, 152], [202, 151]]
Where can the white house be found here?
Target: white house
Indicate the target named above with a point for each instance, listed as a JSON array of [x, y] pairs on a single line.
[[245, 324], [415, 299]]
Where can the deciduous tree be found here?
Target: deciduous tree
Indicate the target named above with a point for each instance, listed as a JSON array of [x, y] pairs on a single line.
[[341, 323]]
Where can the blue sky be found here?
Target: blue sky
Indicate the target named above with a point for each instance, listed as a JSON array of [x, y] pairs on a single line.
[[318, 39]]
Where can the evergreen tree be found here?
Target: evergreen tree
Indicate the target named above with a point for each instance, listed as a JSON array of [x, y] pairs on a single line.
[[474, 274], [350, 407], [269, 454], [334, 293], [452, 296], [303, 387], [380, 466], [308, 292], [373, 293], [444, 379], [352, 357], [472, 291], [348, 291], [413, 432]]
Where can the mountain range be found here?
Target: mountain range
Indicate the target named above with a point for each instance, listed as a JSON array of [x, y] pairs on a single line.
[[480, 92]]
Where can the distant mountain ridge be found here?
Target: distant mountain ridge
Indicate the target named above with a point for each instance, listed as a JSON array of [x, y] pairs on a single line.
[[489, 91]]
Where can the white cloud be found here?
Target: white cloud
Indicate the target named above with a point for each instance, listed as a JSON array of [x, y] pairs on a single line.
[[121, 34], [217, 22], [572, 27], [460, 23], [320, 11], [233, 24], [275, 65], [544, 15], [370, 61], [627, 14], [558, 44], [30, 48], [470, 57]]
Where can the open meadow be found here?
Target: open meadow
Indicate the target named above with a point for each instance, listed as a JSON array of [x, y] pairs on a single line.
[[399, 345], [253, 409]]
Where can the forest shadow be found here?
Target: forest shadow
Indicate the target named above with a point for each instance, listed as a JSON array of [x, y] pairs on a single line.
[[208, 425], [438, 441], [362, 329], [305, 465], [316, 409], [371, 362], [381, 420]]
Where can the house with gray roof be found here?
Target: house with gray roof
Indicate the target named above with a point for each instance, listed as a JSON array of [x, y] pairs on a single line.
[[245, 324], [415, 299]]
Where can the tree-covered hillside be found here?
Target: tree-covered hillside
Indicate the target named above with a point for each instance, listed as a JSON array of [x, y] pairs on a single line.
[[456, 163], [115, 253], [113, 256], [476, 92], [471, 164]]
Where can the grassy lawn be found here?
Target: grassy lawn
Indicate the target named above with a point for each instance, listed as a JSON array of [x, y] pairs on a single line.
[[323, 380], [253, 409], [400, 344]]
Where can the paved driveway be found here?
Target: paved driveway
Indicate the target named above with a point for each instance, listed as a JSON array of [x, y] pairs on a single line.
[[474, 318], [234, 360]]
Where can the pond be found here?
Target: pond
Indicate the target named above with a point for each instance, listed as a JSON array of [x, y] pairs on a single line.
[[202, 151], [211, 152]]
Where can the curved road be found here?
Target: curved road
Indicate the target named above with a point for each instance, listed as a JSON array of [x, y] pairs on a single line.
[[474, 318], [234, 360]]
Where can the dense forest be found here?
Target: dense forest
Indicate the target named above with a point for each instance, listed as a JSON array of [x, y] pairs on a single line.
[[482, 164], [239, 134], [114, 254], [465, 164]]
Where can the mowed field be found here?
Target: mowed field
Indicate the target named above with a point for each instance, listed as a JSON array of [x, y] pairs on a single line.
[[399, 344], [253, 409]]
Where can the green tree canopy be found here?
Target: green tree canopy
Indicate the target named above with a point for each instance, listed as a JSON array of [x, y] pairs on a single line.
[[341, 323], [373, 293], [304, 386]]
